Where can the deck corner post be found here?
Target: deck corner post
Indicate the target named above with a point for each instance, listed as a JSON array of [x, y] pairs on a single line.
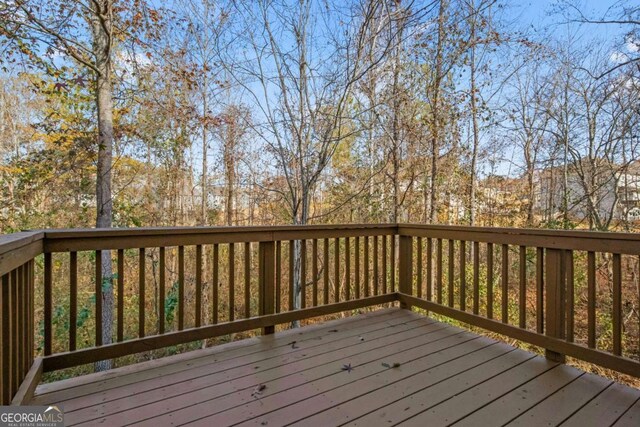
[[405, 267], [555, 300], [266, 282]]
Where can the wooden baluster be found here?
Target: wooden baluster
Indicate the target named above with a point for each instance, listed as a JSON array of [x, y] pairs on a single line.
[[393, 263], [98, 295], [450, 273], [198, 313], [617, 305], [314, 270], [247, 280], [73, 299], [215, 283], [120, 285], [17, 314], [141, 291], [303, 273], [278, 275], [522, 306], [591, 299], [232, 282], [490, 280], [291, 268], [554, 295], [476, 277], [357, 267], [6, 350], [419, 267], [505, 284], [161, 290], [376, 277], [47, 303], [570, 296], [439, 274], [366, 266], [15, 381], [429, 269], [325, 270], [384, 265], [336, 265], [181, 313], [405, 266], [347, 269], [540, 290], [463, 275], [266, 279]]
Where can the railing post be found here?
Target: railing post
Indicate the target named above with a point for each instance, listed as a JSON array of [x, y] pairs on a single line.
[[405, 267], [266, 281], [555, 299]]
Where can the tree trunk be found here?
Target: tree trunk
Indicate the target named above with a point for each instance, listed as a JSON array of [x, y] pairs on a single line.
[[435, 117], [474, 121], [101, 27]]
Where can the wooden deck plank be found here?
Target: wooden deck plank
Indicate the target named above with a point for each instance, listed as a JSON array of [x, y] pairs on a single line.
[[372, 389], [605, 408], [521, 399], [562, 404], [208, 386], [223, 396], [631, 418], [228, 349], [476, 397], [257, 346], [405, 402], [445, 376]]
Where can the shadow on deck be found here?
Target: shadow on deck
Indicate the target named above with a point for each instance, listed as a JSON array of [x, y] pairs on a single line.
[[385, 367]]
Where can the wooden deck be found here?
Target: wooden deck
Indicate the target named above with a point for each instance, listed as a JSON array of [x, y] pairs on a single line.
[[343, 372]]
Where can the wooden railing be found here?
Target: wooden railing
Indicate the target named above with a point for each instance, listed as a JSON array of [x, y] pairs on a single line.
[[190, 284]]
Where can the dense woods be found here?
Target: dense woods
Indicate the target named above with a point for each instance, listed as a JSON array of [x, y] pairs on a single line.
[[266, 112], [122, 113]]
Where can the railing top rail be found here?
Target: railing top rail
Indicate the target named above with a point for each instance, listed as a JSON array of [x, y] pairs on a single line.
[[13, 241], [580, 234], [593, 241], [150, 231]]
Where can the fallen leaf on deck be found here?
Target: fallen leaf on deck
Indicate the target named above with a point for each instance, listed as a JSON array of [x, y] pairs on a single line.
[[347, 367], [395, 365], [257, 391]]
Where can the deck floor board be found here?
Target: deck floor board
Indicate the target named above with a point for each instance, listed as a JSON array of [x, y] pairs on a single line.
[[444, 376]]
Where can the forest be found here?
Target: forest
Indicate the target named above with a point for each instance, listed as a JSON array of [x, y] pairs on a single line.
[[276, 112], [140, 113]]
